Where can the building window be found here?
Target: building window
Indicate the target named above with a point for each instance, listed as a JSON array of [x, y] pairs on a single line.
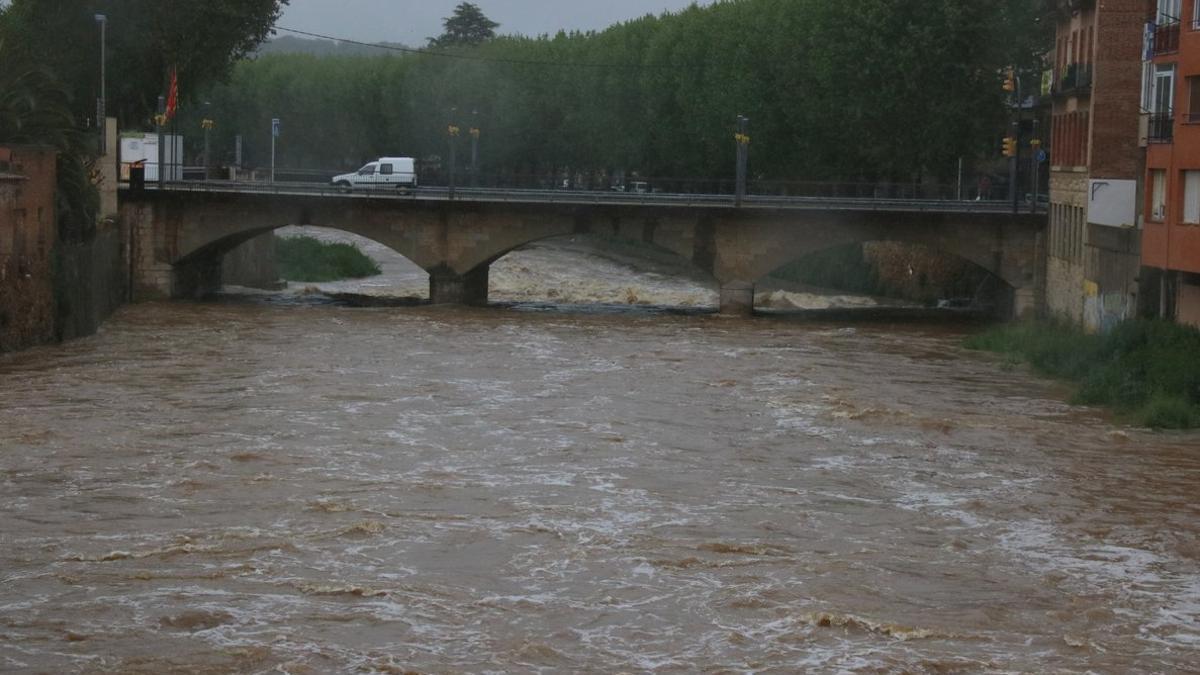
[[1191, 197], [1162, 104], [1168, 10], [1193, 91], [1158, 195]]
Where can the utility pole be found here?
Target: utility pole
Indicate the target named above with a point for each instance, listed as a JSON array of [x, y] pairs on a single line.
[[1015, 161], [743, 154], [1036, 161], [101, 102]]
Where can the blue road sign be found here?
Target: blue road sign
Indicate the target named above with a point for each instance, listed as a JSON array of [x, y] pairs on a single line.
[[1042, 156]]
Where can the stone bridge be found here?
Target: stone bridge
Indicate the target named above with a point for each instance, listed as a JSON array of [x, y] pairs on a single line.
[[178, 238]]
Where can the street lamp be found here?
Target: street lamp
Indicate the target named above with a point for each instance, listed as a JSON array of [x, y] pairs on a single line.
[[100, 101], [475, 148], [453, 131], [743, 153], [207, 125]]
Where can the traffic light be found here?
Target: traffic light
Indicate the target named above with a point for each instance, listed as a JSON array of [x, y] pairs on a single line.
[[1010, 80], [1010, 147]]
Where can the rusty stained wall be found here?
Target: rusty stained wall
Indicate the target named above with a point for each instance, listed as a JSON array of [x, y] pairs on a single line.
[[27, 238]]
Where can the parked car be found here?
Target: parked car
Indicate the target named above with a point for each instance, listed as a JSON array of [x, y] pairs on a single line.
[[383, 173]]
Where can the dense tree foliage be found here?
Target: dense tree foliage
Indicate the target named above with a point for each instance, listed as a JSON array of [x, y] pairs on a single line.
[[852, 90], [466, 27], [144, 38], [49, 72]]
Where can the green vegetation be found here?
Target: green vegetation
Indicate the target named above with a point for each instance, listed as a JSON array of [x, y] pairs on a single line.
[[857, 90], [144, 38], [467, 27], [1149, 371], [309, 259]]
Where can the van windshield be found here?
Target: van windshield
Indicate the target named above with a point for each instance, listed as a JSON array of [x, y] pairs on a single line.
[[368, 170]]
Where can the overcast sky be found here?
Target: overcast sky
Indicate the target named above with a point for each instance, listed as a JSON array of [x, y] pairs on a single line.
[[411, 21]]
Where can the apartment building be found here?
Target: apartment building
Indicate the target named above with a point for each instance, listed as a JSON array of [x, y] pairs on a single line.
[[1171, 132], [1093, 244]]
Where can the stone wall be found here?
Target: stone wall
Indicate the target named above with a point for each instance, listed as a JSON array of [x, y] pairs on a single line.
[[52, 289], [92, 280], [27, 238], [1064, 290]]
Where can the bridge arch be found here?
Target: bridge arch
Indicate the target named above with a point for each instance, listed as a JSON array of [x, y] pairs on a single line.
[[682, 277]]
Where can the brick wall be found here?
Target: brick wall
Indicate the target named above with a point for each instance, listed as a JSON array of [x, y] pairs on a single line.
[[27, 238], [1117, 92]]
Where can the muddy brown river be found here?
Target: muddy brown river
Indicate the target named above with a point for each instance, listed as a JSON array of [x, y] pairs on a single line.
[[264, 486]]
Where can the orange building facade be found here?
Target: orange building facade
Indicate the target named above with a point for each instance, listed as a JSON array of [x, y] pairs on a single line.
[[1171, 195]]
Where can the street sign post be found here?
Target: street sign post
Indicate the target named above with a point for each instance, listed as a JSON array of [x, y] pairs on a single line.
[[274, 135]]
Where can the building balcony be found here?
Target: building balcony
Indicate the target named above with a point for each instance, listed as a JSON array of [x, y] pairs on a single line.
[[1161, 128], [1165, 38], [1075, 79]]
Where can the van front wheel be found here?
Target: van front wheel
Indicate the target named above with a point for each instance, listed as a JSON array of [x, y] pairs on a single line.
[[344, 185]]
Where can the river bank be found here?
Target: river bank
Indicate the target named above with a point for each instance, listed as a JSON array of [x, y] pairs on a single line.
[[1147, 371]]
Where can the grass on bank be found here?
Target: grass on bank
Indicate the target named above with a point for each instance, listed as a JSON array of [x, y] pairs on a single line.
[[309, 259], [1148, 370]]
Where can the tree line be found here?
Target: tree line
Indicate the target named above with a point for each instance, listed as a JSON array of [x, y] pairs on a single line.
[[867, 90]]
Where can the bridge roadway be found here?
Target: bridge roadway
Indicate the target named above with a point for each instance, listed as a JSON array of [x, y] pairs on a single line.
[[180, 232], [588, 197]]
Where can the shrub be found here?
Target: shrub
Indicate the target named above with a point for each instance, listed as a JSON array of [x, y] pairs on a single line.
[[1147, 369], [309, 259]]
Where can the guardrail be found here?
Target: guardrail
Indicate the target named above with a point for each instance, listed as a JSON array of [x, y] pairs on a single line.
[[591, 197]]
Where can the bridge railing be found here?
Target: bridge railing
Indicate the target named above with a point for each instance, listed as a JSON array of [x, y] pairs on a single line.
[[599, 188]]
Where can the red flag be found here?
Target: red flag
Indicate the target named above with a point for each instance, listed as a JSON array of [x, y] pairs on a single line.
[[173, 95]]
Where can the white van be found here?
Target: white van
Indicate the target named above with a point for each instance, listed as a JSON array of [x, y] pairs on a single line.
[[385, 172]]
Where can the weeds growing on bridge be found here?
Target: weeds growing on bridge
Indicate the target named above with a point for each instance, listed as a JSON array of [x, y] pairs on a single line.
[[309, 259], [1149, 371]]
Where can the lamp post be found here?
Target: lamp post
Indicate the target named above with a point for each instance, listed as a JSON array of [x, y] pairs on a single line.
[[100, 100], [160, 121], [743, 154], [207, 125], [452, 133], [475, 148], [274, 136]]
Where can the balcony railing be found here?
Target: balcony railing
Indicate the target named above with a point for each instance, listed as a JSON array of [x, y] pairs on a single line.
[[1161, 128], [1077, 78], [1165, 39]]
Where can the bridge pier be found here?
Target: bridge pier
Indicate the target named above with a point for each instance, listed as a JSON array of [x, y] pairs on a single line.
[[197, 279], [737, 298], [447, 287]]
